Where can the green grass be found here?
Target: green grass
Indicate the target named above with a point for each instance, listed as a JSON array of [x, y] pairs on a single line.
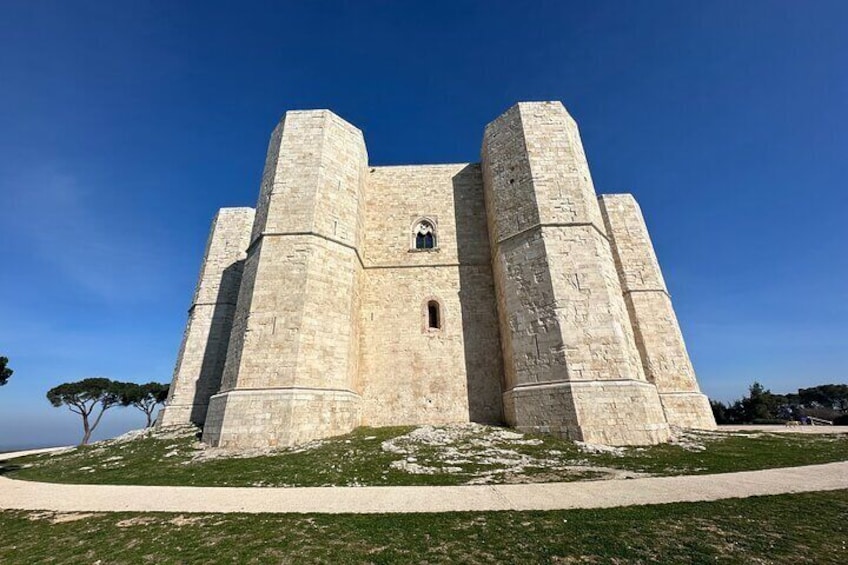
[[358, 459], [792, 529]]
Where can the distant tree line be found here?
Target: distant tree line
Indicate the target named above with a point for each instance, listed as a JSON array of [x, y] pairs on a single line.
[[91, 398], [761, 406], [5, 371]]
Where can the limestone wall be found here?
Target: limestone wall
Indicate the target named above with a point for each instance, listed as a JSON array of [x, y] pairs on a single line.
[[295, 344], [553, 313], [563, 319], [409, 373], [200, 364], [658, 337], [608, 412]]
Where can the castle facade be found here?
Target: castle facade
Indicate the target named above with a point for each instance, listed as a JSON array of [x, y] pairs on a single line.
[[504, 291]]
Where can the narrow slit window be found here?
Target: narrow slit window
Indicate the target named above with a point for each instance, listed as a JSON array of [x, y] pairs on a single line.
[[434, 321]]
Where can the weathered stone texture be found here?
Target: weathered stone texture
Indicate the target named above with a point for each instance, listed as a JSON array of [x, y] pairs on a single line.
[[562, 313], [295, 328], [607, 412], [658, 337], [200, 364], [411, 374], [279, 417], [543, 323]]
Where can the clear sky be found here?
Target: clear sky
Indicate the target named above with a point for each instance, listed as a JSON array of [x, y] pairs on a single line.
[[124, 125]]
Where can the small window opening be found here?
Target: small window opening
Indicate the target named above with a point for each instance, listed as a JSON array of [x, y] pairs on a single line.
[[425, 235], [424, 241], [433, 321]]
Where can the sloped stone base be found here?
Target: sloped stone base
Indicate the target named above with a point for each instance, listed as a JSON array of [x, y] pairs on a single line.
[[278, 417], [182, 414], [688, 410], [606, 412]]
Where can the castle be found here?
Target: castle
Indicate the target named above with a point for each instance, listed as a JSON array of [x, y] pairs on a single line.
[[504, 291]]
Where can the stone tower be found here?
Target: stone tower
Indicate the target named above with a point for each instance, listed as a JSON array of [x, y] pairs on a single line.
[[658, 337], [293, 355], [200, 363], [501, 291], [571, 363]]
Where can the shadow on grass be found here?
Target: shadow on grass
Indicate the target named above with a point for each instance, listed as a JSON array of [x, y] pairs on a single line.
[[6, 468]]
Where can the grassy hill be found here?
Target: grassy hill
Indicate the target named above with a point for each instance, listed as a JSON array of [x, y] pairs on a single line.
[[427, 455]]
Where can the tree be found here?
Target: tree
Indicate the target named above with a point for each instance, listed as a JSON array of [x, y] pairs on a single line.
[[761, 403], [144, 397], [5, 372], [833, 396], [823, 401], [730, 413], [84, 396], [720, 412]]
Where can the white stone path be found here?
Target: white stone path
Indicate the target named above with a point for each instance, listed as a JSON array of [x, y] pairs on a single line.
[[27, 495]]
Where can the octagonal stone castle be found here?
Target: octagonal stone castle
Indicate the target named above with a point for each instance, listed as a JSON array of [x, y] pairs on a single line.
[[500, 292]]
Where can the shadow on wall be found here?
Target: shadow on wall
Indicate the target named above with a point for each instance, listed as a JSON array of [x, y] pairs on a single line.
[[480, 333], [215, 352]]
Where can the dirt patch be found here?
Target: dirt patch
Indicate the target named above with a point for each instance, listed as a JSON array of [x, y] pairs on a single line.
[[60, 517], [174, 432], [183, 520], [137, 521], [597, 448]]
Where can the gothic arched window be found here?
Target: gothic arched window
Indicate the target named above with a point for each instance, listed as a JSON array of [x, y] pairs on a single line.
[[424, 235]]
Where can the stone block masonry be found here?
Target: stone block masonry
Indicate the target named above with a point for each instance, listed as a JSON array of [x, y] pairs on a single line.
[[294, 355], [564, 324], [200, 363], [658, 336], [412, 374], [528, 302]]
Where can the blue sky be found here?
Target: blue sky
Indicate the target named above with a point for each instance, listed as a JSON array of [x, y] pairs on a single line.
[[125, 125]]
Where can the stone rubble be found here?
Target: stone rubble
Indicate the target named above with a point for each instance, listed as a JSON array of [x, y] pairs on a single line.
[[432, 450]]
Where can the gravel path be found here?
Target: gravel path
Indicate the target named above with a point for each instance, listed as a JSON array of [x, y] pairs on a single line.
[[13, 454], [26, 495], [787, 429]]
